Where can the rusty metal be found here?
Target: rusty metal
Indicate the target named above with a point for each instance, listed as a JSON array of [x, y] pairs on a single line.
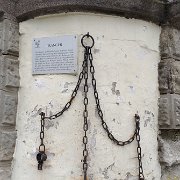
[[88, 58], [139, 151], [41, 156]]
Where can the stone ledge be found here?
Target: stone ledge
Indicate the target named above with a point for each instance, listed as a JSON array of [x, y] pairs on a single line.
[[142, 9], [156, 11]]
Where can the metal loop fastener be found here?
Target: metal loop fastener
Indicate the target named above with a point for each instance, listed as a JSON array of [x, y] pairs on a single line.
[[42, 148], [87, 36]]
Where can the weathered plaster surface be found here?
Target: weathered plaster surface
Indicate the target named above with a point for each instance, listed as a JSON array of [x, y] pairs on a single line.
[[126, 56]]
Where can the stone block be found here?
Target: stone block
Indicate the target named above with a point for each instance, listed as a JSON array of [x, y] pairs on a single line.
[[7, 145], [174, 13], [170, 43], [1, 35], [9, 72], [8, 6], [170, 173], [169, 144], [9, 37], [169, 152], [164, 116], [169, 76], [5, 173], [8, 108], [169, 111]]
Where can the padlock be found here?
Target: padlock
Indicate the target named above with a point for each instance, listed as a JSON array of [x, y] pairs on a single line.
[[41, 157]]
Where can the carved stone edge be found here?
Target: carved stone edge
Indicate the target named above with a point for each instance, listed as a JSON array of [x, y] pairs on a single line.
[[169, 111], [159, 11], [142, 9]]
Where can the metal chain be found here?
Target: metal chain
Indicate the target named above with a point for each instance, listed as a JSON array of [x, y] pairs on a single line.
[[85, 113], [73, 95], [41, 156], [42, 146], [106, 128], [100, 113], [141, 174]]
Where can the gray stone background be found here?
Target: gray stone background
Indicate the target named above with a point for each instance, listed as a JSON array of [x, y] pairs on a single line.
[[165, 13]]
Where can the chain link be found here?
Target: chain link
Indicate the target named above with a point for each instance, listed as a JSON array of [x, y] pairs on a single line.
[[141, 174], [84, 74], [100, 113], [85, 113], [73, 95], [42, 146], [41, 156]]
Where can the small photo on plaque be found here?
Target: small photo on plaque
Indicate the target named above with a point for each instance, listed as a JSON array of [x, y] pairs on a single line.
[[54, 55]]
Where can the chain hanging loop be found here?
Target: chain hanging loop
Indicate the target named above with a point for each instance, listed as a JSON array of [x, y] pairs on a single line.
[[41, 156], [99, 110], [85, 113], [141, 174], [87, 49]]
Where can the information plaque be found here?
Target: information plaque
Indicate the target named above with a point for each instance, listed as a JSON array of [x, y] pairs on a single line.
[[53, 55]]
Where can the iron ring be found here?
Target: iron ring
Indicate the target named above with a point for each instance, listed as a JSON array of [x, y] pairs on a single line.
[[87, 36]]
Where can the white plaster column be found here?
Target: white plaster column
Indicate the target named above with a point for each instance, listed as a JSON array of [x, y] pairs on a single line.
[[126, 56]]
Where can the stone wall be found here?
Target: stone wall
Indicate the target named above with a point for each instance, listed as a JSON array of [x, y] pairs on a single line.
[[169, 103], [163, 12], [9, 83]]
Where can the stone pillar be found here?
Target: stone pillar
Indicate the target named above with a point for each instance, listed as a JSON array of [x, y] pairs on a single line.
[[9, 83], [169, 103]]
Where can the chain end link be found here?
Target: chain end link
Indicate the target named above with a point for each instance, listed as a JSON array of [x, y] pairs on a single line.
[[137, 117]]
